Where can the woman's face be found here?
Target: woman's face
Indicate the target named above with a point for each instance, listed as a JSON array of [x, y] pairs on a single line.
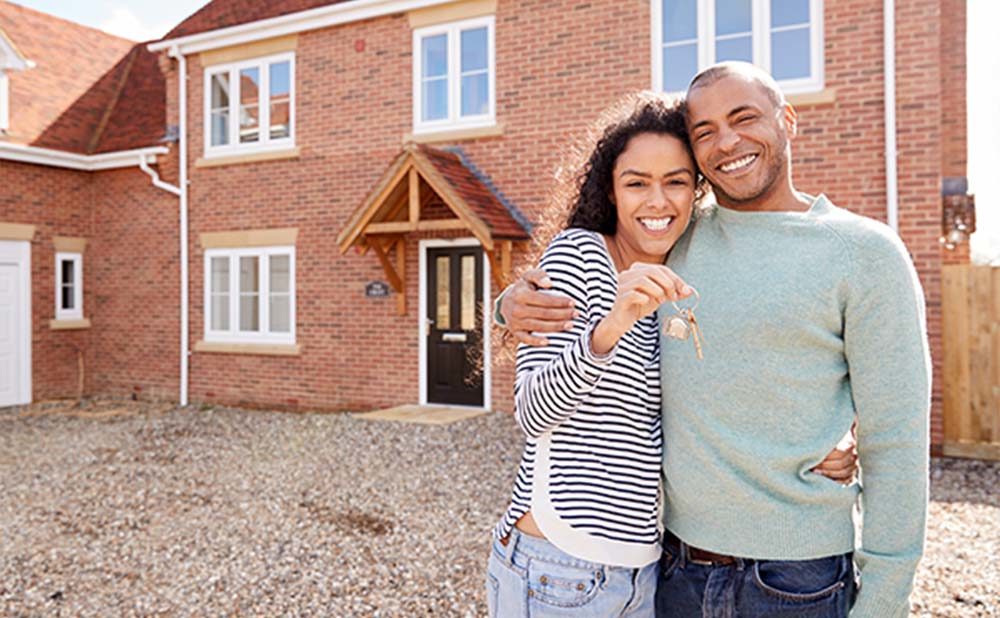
[[654, 188]]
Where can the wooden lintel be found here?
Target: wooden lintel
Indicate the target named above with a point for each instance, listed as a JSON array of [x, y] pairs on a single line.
[[390, 272], [401, 269], [414, 196], [435, 225], [402, 227], [506, 249]]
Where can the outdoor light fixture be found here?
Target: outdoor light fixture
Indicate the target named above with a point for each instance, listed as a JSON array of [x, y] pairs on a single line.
[[958, 217]]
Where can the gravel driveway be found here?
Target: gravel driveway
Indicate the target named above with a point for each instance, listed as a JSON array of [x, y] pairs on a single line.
[[127, 509]]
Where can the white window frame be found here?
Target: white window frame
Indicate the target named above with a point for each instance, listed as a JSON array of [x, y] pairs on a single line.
[[454, 119], [264, 143], [233, 334], [761, 20], [4, 101], [76, 313]]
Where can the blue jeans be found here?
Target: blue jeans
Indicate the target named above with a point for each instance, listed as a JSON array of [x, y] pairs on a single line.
[[532, 578], [820, 588]]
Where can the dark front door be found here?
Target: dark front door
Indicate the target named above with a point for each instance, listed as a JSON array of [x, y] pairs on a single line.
[[454, 317]]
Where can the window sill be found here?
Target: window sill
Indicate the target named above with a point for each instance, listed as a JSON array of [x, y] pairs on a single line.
[[250, 157], [262, 349], [69, 324], [454, 135], [826, 96]]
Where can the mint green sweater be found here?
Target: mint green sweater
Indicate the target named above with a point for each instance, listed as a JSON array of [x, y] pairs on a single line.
[[807, 317]]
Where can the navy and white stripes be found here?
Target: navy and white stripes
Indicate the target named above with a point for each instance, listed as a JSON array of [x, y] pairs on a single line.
[[591, 464]]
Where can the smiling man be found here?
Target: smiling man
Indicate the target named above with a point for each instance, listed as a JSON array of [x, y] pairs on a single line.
[[811, 315]]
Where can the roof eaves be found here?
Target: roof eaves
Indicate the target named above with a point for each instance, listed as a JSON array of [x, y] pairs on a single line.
[[310, 19]]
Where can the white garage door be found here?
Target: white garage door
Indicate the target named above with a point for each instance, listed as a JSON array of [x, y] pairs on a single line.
[[15, 323]]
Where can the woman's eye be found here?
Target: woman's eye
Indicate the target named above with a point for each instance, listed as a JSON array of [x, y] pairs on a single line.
[[634, 183]]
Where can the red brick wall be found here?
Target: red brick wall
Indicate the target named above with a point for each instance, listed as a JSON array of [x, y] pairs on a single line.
[[55, 201], [954, 130], [559, 63]]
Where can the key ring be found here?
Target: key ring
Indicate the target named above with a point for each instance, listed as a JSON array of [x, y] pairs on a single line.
[[697, 301]]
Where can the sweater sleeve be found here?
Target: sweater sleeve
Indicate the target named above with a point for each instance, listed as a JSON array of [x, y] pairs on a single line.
[[552, 380], [885, 338]]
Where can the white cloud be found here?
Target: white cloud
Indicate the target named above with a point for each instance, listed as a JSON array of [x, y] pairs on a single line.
[[125, 23]]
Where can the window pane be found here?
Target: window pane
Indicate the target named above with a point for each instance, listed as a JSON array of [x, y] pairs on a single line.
[[250, 105], [280, 313], [789, 12], [732, 17], [680, 20], [435, 100], [67, 297], [220, 109], [734, 49], [66, 272], [249, 293], [790, 54], [249, 274], [468, 292], [434, 56], [279, 274], [280, 89], [475, 94], [474, 50], [220, 312], [220, 275], [680, 63], [443, 298]]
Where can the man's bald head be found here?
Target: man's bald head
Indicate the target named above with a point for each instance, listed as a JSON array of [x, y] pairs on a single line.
[[742, 70]]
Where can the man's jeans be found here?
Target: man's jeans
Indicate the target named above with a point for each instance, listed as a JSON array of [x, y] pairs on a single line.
[[820, 588]]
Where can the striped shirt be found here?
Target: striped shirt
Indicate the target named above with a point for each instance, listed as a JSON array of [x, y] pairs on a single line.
[[590, 469]]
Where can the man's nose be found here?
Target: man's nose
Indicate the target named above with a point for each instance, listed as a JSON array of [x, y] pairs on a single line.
[[728, 139]]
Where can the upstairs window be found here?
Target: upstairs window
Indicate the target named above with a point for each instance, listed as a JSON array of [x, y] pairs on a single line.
[[69, 286], [784, 37], [250, 106], [454, 72]]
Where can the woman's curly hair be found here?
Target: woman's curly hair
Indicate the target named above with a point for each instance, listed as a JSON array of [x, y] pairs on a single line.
[[591, 207]]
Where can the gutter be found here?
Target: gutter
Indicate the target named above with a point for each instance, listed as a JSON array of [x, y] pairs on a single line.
[[175, 52], [88, 163], [891, 153], [302, 21]]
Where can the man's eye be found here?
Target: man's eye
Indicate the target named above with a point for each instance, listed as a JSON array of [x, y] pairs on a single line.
[[745, 119], [699, 137]]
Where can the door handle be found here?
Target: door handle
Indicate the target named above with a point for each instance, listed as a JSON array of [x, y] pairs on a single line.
[[454, 337]]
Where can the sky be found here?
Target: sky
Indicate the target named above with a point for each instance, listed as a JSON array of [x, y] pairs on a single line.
[[144, 20]]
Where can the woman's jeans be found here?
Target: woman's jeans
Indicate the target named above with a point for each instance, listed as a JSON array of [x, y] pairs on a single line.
[[532, 578], [820, 588]]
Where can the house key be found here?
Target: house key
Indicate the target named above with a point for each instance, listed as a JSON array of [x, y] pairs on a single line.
[[684, 323]]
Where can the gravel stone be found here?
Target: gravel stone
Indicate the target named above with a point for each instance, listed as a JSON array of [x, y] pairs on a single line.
[[120, 508]]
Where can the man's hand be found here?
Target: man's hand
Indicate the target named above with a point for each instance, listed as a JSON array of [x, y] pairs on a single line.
[[527, 310], [841, 464]]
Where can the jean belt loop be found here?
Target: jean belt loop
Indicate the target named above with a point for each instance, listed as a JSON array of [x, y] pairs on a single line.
[[512, 541], [741, 564], [683, 547]]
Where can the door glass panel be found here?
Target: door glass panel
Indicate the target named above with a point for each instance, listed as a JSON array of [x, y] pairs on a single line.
[[443, 295], [250, 105], [468, 292], [249, 294]]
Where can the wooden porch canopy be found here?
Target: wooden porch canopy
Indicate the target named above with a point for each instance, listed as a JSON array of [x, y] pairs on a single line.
[[427, 189]]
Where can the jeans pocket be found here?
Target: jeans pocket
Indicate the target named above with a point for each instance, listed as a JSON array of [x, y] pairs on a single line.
[[561, 585], [802, 580]]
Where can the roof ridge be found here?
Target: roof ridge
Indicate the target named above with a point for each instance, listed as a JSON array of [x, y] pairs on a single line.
[[95, 138], [64, 20]]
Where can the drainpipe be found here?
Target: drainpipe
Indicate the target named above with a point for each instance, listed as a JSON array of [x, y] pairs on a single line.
[[182, 70], [159, 184], [891, 155]]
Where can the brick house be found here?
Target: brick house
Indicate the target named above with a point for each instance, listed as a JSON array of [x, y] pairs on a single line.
[[308, 204]]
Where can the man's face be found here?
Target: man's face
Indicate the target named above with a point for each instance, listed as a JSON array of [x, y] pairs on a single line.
[[740, 138]]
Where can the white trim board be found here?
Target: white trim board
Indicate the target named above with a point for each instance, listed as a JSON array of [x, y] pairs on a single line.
[[18, 252], [302, 21], [87, 163], [487, 317]]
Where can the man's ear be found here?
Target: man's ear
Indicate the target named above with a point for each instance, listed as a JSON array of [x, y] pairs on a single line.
[[791, 119]]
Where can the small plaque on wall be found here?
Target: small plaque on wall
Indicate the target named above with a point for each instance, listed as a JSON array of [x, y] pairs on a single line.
[[377, 289]]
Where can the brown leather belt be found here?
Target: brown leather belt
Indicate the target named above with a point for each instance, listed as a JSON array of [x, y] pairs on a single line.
[[696, 555]]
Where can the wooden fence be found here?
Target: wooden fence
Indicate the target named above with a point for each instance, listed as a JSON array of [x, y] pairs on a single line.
[[971, 338]]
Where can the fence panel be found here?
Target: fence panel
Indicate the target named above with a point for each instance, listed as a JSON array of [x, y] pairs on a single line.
[[971, 367]]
